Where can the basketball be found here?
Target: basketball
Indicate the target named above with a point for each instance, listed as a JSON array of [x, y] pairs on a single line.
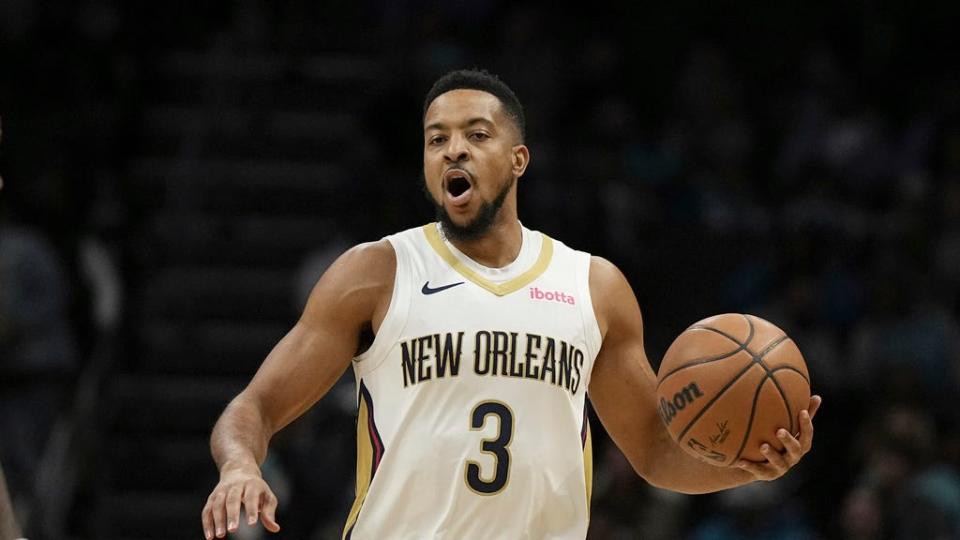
[[727, 384]]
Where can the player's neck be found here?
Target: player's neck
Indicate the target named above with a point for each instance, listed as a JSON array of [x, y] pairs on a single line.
[[497, 248]]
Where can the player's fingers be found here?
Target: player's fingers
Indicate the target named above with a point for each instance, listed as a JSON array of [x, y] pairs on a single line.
[[791, 444], [774, 458], [268, 511], [815, 402], [233, 507], [216, 503], [806, 429], [252, 495], [206, 517], [760, 471]]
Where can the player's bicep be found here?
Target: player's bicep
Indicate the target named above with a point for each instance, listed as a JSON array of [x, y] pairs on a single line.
[[313, 355]]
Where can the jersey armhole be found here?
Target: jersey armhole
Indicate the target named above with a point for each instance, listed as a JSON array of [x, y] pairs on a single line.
[[591, 327], [394, 320]]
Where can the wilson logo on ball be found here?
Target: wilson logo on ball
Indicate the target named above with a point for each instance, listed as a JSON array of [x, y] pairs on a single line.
[[669, 409]]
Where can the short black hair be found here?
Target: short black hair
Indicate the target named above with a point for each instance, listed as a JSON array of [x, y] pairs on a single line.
[[483, 80]]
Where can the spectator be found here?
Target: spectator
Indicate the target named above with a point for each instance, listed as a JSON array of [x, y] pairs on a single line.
[[37, 349], [8, 522]]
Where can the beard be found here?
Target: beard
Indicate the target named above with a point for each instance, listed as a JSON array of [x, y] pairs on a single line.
[[479, 225]]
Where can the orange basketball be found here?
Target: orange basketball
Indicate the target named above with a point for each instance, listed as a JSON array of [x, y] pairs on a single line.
[[727, 384]]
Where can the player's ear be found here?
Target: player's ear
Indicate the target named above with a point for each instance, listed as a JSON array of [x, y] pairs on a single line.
[[521, 158]]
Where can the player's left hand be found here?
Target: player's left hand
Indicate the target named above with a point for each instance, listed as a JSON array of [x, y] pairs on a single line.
[[778, 463]]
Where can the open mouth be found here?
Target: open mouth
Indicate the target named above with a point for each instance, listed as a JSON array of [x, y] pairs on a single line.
[[458, 186]]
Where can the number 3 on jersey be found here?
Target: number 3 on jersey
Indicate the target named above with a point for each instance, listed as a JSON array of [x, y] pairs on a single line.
[[498, 447]]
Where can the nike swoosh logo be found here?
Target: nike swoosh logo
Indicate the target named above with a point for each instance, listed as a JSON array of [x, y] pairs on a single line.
[[431, 290]]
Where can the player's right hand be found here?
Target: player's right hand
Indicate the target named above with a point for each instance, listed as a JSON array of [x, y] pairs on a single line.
[[221, 514]]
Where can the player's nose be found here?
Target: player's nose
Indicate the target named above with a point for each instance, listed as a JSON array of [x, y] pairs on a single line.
[[456, 149]]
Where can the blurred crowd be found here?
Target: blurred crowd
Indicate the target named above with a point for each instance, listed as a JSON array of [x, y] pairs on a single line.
[[798, 163]]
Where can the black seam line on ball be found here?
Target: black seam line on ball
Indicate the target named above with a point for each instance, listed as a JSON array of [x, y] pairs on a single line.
[[753, 410], [712, 400], [699, 362], [706, 360], [749, 325], [793, 369], [783, 394], [759, 360], [728, 336], [729, 384]]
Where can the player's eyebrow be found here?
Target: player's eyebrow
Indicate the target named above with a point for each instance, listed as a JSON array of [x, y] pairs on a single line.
[[468, 123]]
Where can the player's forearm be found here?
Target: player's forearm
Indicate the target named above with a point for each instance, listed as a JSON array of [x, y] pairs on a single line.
[[240, 437], [672, 468]]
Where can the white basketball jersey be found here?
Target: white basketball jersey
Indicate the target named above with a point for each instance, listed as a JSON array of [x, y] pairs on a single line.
[[472, 421]]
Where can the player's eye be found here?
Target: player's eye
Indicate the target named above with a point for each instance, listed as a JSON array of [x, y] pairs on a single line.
[[439, 139], [479, 136]]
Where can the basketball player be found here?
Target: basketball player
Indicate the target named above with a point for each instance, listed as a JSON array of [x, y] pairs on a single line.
[[475, 342]]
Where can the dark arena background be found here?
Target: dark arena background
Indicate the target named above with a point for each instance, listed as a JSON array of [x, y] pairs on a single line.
[[177, 176]]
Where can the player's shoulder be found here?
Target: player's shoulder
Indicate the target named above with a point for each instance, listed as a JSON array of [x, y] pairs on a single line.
[[379, 258], [605, 277], [375, 258], [613, 297], [359, 280], [377, 250]]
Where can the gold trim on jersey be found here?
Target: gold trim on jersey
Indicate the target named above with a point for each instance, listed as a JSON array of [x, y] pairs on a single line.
[[499, 289], [588, 467], [364, 464]]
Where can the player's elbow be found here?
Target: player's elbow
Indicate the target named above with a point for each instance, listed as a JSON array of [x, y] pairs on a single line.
[[644, 463], [650, 473], [659, 476], [656, 465], [661, 481]]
